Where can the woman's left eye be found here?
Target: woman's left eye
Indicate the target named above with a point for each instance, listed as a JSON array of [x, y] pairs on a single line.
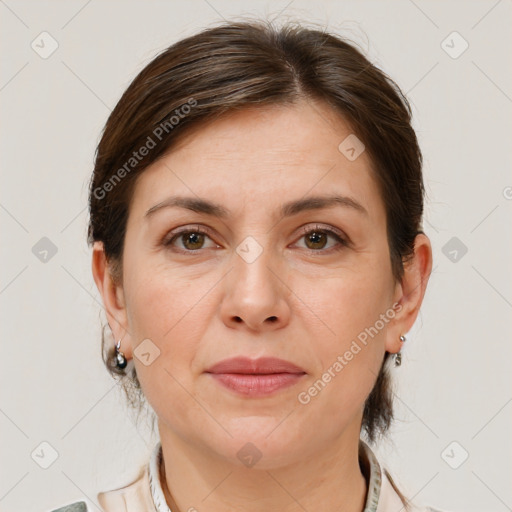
[[316, 239]]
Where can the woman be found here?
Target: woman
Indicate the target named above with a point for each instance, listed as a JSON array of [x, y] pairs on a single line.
[[255, 215]]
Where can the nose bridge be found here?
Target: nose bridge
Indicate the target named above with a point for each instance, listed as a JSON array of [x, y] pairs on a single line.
[[252, 274], [252, 268], [254, 294]]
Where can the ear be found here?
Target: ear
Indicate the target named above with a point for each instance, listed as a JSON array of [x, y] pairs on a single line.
[[409, 292], [112, 294]]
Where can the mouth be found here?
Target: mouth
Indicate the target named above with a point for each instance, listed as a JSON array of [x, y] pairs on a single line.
[[256, 377]]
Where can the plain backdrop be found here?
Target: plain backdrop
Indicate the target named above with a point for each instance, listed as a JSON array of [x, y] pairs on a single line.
[[450, 445]]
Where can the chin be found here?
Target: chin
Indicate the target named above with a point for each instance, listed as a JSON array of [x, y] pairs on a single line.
[[259, 442]]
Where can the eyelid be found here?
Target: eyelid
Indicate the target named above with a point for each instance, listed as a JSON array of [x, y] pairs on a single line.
[[174, 234], [339, 235]]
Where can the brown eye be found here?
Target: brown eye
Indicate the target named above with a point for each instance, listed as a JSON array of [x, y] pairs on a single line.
[[192, 240], [189, 240], [316, 240], [322, 240]]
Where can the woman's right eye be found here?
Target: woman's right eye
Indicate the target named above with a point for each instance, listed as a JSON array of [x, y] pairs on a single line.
[[188, 240]]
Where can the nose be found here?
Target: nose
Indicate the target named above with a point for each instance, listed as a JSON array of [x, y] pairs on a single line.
[[255, 296]]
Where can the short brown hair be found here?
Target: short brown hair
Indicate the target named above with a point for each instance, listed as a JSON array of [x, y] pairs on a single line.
[[237, 65]]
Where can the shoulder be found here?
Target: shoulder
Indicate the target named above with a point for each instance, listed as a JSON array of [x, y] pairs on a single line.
[[391, 498], [137, 495], [384, 495], [134, 496]]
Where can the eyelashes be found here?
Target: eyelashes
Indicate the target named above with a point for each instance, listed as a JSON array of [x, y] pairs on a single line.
[[181, 234], [197, 235], [327, 233]]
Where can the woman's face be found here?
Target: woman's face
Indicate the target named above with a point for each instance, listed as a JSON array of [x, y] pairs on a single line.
[[249, 281]]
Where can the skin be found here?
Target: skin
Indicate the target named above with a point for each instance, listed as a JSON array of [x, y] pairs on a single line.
[[201, 308]]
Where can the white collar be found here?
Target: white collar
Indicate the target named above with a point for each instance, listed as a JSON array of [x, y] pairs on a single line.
[[154, 479]]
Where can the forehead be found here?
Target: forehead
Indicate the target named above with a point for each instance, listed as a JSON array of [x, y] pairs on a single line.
[[263, 154]]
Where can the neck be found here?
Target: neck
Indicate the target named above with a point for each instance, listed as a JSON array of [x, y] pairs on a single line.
[[330, 481]]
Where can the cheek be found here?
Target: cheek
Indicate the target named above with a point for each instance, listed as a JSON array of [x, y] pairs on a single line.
[[169, 311], [173, 309], [163, 308], [161, 300], [346, 306], [349, 353]]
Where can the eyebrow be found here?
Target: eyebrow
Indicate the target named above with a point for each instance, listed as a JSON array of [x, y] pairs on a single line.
[[287, 210]]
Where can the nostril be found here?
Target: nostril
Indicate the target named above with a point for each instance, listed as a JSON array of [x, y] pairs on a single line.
[[272, 318]]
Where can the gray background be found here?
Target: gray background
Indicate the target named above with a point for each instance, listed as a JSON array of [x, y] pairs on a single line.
[[454, 383]]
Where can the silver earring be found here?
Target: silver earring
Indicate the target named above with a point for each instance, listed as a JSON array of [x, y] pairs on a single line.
[[398, 355], [120, 360]]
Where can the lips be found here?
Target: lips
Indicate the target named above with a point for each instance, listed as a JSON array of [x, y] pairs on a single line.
[[261, 366], [255, 377]]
